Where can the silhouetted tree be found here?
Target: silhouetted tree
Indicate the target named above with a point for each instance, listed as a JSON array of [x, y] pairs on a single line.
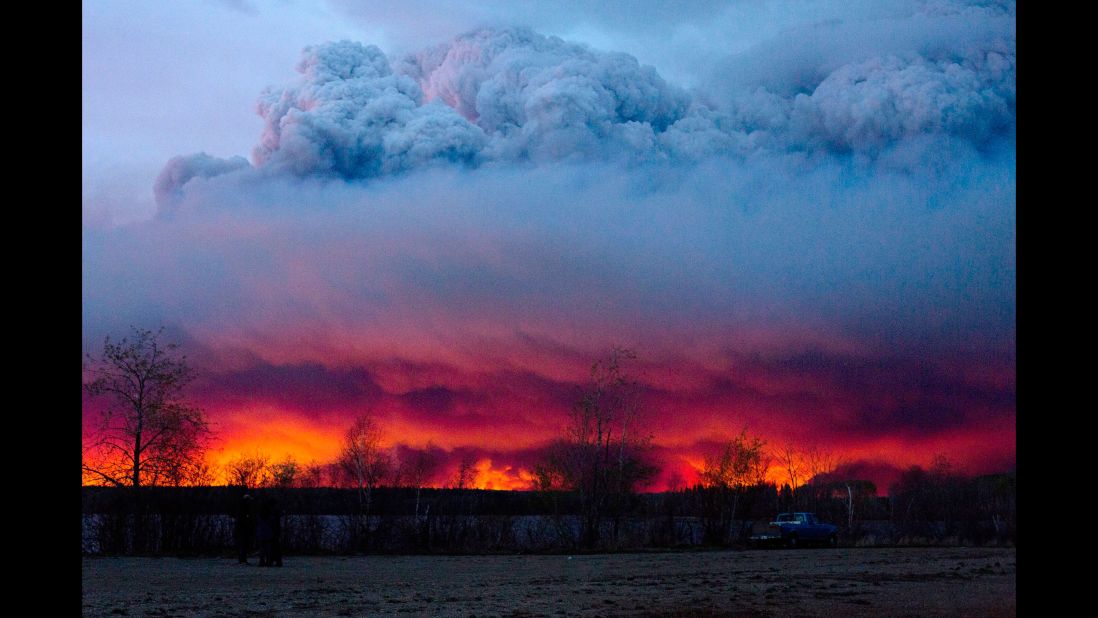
[[819, 465], [249, 471], [419, 468], [466, 473], [311, 475], [924, 499], [550, 471], [364, 462], [740, 462], [602, 456], [148, 434], [283, 473], [790, 458]]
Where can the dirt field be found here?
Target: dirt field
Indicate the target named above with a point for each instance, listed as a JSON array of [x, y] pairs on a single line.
[[806, 582]]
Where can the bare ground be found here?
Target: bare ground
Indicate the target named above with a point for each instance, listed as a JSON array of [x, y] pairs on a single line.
[[806, 582]]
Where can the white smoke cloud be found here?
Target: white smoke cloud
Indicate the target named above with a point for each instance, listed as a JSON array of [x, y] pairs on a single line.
[[944, 69], [510, 95], [542, 98], [352, 117], [872, 104]]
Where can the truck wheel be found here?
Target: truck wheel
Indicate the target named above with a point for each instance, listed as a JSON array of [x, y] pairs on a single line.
[[832, 541], [791, 542]]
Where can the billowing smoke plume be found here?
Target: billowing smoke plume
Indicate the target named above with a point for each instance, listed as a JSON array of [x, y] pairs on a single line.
[[496, 96], [541, 98], [352, 117]]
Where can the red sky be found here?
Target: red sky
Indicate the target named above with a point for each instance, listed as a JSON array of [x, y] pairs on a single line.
[[877, 415]]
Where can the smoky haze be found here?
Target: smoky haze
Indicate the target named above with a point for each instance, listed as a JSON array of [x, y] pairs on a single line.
[[816, 240]]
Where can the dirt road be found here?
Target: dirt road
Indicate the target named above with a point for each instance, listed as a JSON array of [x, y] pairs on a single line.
[[806, 582]]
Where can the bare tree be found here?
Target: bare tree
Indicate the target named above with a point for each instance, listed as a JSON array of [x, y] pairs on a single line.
[[789, 457], [249, 471], [364, 462], [551, 472], [740, 462], [284, 473], [466, 472], [602, 455], [419, 469], [817, 466], [311, 475], [148, 434], [820, 464]]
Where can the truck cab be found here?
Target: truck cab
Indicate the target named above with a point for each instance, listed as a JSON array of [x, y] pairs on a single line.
[[795, 529]]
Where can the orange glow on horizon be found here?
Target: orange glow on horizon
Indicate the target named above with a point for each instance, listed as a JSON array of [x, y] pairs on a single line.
[[278, 433], [308, 443], [504, 477]]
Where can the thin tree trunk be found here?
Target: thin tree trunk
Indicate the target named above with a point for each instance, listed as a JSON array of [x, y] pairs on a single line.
[[732, 519], [849, 507]]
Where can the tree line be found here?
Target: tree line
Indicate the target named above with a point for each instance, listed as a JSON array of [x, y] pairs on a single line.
[[924, 510]]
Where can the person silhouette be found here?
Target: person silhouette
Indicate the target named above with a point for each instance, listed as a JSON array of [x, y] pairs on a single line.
[[244, 529], [265, 532], [275, 522]]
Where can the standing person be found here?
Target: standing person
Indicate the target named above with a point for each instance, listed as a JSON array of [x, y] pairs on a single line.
[[276, 534], [244, 529], [265, 532]]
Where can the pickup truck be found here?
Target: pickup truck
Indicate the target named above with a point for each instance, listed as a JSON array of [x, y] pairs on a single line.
[[797, 529]]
